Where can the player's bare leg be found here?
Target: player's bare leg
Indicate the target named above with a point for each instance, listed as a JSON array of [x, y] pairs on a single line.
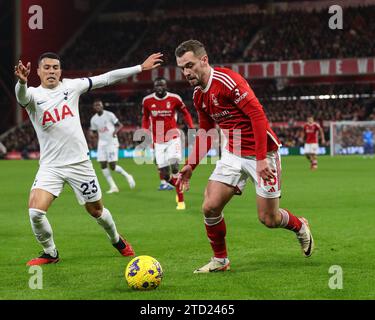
[[216, 196], [107, 174], [164, 185], [272, 216], [104, 219], [129, 178], [39, 202], [172, 179], [309, 157], [314, 162], [179, 192]]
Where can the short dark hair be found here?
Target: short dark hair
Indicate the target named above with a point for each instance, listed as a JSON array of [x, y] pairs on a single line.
[[50, 55], [160, 79], [195, 46], [97, 100]]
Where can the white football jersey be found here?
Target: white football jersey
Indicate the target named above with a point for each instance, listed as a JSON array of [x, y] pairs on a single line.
[[54, 114], [105, 126]]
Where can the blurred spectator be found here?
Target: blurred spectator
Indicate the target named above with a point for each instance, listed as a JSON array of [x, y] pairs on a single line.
[[307, 36], [3, 150], [226, 34], [285, 115]]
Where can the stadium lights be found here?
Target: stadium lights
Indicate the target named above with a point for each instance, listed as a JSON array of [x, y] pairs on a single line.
[[324, 97]]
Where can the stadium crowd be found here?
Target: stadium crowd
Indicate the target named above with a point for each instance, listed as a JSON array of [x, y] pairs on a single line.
[[285, 116], [229, 37], [306, 36]]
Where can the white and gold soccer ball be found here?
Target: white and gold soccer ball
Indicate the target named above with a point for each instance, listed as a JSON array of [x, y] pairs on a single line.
[[143, 273]]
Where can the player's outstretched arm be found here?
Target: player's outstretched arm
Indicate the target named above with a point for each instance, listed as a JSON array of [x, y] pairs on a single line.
[[22, 73], [111, 77], [322, 135]]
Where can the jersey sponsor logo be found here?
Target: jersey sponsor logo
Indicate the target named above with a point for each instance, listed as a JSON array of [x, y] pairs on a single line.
[[240, 97], [220, 115], [56, 115], [104, 129], [161, 113]]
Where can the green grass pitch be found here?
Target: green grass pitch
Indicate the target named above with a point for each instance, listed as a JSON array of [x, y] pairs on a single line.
[[338, 199]]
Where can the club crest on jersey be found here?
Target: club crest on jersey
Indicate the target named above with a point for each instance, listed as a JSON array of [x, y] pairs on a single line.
[[214, 100], [56, 115], [168, 105], [204, 105]]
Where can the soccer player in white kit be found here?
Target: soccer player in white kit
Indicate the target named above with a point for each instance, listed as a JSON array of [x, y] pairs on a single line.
[[107, 125], [64, 155]]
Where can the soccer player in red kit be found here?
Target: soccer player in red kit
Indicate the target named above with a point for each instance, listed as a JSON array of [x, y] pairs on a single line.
[[221, 96], [311, 132], [159, 110]]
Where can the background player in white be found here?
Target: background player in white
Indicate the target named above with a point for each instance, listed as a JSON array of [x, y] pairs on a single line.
[[106, 124], [64, 157]]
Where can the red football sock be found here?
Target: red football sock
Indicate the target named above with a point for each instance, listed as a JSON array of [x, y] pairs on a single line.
[[180, 196], [161, 176], [290, 221], [216, 234], [173, 181]]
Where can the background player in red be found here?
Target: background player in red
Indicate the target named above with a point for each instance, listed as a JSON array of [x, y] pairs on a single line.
[[223, 97], [311, 132], [159, 111]]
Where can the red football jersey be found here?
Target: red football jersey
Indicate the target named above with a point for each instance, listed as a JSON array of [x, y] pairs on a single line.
[[162, 112], [311, 132], [229, 101]]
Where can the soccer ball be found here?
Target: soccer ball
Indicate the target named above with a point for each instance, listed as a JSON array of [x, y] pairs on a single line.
[[143, 273]]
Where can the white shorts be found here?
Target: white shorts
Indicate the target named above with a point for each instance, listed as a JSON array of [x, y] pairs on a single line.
[[165, 152], [311, 148], [108, 153], [235, 171], [80, 176]]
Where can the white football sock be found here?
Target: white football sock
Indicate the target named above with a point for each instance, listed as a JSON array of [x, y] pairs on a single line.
[[108, 177], [284, 218], [42, 230], [214, 220], [120, 170], [106, 221]]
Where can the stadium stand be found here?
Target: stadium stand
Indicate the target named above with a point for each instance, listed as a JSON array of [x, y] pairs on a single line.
[[233, 32], [285, 115]]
